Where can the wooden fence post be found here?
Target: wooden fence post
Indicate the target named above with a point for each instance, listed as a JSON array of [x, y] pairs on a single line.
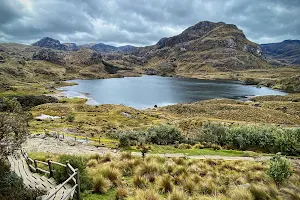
[[35, 165], [50, 167], [78, 184], [67, 167]]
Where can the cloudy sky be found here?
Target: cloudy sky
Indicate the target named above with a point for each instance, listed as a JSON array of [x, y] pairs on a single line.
[[142, 22]]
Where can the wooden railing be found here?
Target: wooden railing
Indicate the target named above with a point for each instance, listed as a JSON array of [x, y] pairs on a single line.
[[73, 174]]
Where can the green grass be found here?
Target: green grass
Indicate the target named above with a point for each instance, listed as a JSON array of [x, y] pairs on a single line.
[[107, 196], [158, 149]]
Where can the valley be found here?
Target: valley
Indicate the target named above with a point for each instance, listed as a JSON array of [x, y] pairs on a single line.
[[196, 147]]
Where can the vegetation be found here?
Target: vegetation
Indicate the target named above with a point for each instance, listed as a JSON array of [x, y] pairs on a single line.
[[280, 169], [128, 177], [13, 131], [268, 139]]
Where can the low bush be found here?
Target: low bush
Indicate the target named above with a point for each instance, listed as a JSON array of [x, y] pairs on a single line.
[[101, 184], [121, 193], [164, 134], [70, 117], [165, 184], [279, 169], [161, 134], [184, 146], [246, 137], [79, 162]]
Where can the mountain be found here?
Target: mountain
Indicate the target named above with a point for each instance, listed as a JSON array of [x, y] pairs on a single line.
[[101, 47], [283, 53], [104, 48], [206, 45], [51, 43], [126, 48], [70, 47]]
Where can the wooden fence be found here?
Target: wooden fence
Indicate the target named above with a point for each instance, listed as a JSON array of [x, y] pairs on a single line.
[[73, 174]]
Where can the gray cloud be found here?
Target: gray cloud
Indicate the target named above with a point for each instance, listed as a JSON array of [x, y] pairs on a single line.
[[142, 22]]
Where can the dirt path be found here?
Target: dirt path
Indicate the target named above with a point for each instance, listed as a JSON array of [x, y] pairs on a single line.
[[69, 146], [62, 146]]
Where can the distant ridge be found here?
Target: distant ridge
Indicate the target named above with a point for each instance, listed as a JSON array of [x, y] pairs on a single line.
[[283, 53]]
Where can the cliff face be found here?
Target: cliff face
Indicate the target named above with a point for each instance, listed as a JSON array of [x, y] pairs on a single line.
[[206, 44], [283, 53]]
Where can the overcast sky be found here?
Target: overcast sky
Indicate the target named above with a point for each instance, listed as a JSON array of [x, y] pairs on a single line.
[[142, 22]]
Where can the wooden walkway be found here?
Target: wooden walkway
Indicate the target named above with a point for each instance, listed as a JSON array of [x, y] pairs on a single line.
[[19, 165]]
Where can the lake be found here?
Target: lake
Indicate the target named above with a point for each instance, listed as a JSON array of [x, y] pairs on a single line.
[[147, 91]]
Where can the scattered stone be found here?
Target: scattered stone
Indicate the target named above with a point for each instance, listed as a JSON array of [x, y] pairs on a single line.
[[256, 105], [125, 114]]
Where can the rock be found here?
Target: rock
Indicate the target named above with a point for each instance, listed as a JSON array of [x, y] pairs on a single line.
[[49, 55], [125, 114], [1, 49], [245, 186], [22, 62], [256, 105], [71, 143], [2, 59], [150, 71]]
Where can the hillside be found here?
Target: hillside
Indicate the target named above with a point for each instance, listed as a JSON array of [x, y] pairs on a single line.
[[283, 53], [217, 46]]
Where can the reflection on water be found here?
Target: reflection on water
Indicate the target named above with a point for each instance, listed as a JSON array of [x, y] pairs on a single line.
[[147, 91]]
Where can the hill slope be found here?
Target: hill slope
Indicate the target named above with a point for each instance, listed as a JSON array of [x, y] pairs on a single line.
[[283, 53], [205, 45]]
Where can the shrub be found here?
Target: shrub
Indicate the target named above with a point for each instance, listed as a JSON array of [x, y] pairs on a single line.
[[165, 184], [189, 186], [216, 147], [111, 173], [213, 133], [198, 146], [70, 117], [147, 195], [79, 162], [163, 135], [126, 155], [121, 193], [262, 138], [184, 146], [101, 184], [240, 194], [279, 169], [177, 195], [139, 182], [259, 192], [92, 163]]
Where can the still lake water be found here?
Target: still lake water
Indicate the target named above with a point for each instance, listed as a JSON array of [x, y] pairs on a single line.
[[147, 91]]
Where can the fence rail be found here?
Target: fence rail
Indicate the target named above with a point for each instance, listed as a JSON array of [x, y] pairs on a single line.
[[74, 176]]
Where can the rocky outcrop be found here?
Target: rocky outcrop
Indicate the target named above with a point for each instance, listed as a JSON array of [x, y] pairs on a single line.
[[51, 43], [83, 57], [49, 55], [70, 47], [283, 53], [104, 48]]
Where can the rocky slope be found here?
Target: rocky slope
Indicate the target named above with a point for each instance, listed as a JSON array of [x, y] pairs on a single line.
[[51, 43], [204, 46], [283, 53]]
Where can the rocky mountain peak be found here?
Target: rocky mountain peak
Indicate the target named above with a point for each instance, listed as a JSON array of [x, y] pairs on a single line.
[[51, 43]]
